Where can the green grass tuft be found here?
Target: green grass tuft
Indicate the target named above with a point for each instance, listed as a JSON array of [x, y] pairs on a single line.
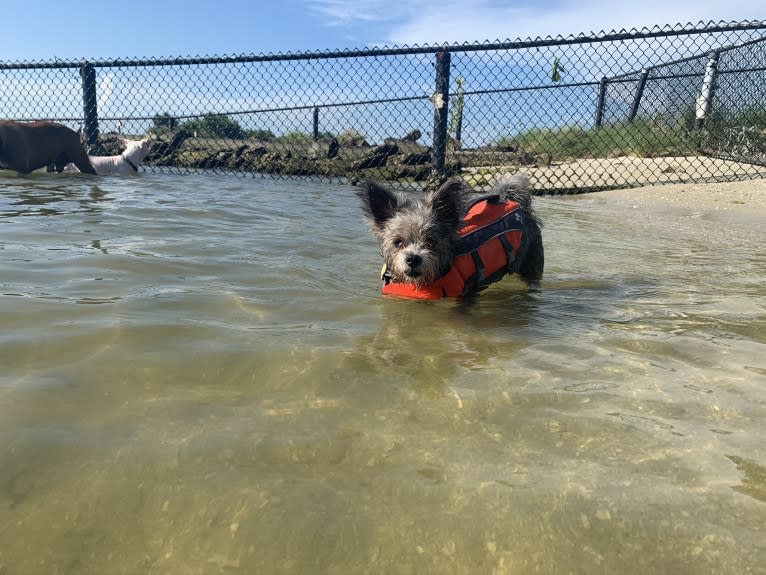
[[640, 138]]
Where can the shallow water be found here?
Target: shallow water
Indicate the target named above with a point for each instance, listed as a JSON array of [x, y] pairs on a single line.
[[199, 376]]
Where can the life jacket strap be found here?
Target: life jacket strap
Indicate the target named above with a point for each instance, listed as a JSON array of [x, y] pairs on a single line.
[[473, 282], [509, 256]]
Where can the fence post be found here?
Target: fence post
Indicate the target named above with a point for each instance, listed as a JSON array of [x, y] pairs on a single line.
[[89, 104], [440, 101], [705, 99], [601, 100], [639, 94], [315, 131]]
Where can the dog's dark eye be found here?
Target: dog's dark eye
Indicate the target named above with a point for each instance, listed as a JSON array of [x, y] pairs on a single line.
[[398, 243]]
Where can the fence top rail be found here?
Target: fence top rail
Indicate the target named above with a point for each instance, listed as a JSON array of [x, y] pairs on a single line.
[[709, 53], [632, 34]]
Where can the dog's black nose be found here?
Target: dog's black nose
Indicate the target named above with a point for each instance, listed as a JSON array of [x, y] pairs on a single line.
[[414, 260]]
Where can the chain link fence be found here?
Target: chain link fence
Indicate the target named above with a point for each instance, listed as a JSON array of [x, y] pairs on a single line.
[[620, 109]]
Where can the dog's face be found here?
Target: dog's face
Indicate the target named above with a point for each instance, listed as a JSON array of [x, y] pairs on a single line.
[[137, 150], [417, 237]]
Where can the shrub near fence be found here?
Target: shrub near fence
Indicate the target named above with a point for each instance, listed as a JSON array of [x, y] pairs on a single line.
[[620, 109]]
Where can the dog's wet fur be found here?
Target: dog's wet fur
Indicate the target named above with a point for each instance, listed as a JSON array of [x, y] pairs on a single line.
[[418, 236], [125, 163], [29, 146]]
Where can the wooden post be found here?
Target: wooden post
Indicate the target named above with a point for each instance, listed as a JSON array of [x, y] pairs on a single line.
[[458, 110], [89, 104], [315, 131], [601, 100], [639, 94], [440, 101]]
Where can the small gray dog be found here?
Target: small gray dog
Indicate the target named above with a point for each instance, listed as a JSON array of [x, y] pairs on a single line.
[[446, 245]]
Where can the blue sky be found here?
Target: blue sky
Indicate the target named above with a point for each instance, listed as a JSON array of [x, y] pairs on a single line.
[[43, 30]]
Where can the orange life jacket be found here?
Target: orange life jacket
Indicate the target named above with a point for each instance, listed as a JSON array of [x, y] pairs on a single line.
[[488, 244]]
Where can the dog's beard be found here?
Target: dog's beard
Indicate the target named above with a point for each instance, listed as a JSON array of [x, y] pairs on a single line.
[[416, 266]]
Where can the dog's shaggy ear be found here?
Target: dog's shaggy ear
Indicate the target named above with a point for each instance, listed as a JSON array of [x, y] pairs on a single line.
[[378, 203], [448, 202]]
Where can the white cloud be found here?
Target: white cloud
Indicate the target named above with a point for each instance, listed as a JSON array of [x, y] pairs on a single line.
[[104, 93], [354, 12], [455, 21]]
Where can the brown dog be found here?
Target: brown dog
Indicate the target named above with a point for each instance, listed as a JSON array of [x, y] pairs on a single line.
[[29, 146]]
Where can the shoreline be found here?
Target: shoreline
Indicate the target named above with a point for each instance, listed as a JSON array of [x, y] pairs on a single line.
[[729, 209]]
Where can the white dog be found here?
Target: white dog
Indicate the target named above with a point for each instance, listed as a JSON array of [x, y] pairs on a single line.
[[125, 163]]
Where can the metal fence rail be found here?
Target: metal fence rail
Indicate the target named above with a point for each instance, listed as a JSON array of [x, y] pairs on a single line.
[[621, 109]]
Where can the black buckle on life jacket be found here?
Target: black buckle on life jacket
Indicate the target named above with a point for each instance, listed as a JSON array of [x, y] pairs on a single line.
[[490, 199]]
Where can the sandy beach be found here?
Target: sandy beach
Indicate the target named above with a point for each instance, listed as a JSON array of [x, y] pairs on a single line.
[[724, 210]]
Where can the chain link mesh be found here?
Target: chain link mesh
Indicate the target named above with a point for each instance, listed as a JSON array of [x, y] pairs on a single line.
[[619, 109]]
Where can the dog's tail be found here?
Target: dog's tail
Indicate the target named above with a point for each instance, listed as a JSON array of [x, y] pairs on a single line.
[[514, 187]]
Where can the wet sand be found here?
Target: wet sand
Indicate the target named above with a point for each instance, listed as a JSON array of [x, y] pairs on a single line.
[[719, 209]]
